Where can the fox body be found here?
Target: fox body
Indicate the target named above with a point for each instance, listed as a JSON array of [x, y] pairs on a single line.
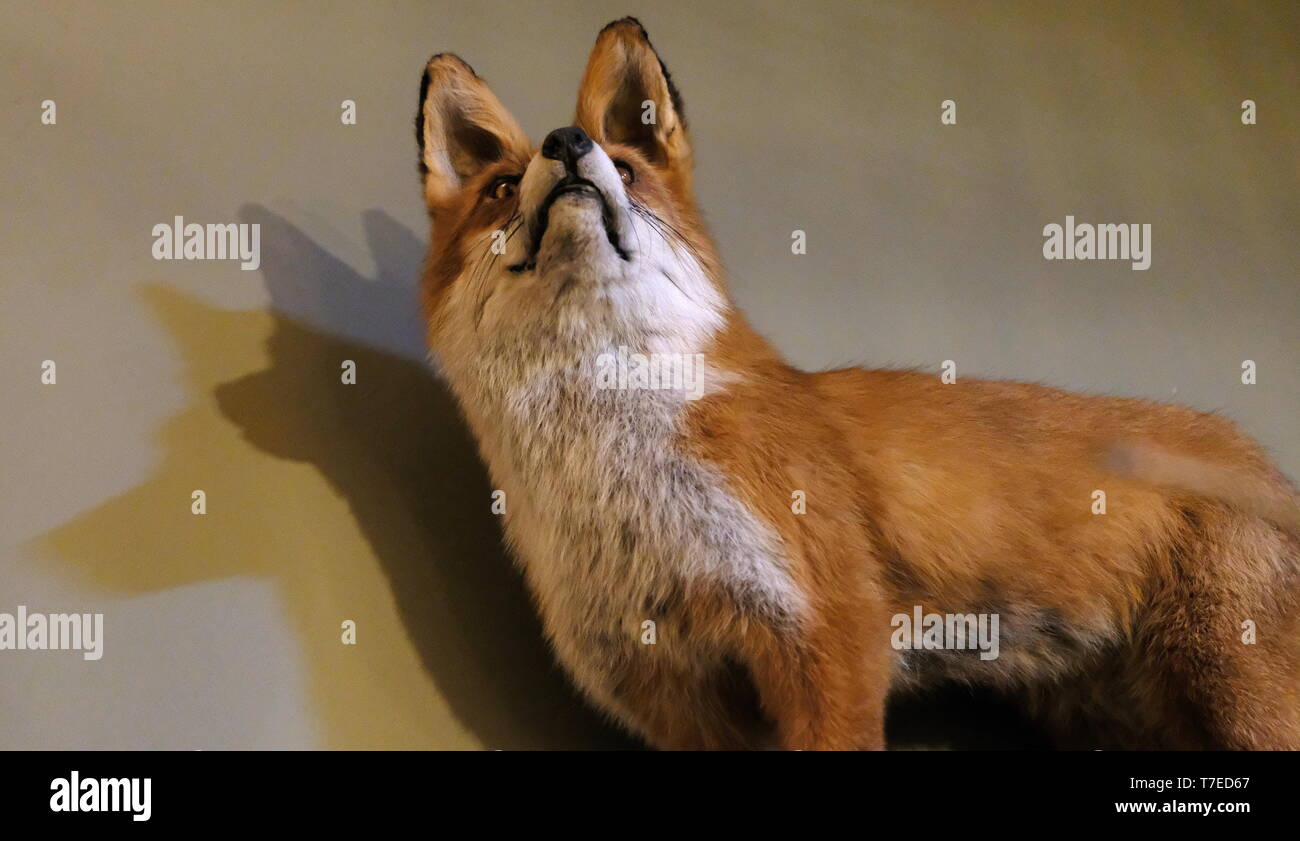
[[720, 566]]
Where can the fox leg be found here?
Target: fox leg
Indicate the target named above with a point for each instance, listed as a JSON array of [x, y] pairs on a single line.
[[1213, 662], [1224, 634], [813, 686], [823, 690], [677, 708]]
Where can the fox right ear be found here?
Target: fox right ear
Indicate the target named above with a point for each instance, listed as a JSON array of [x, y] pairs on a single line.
[[461, 128], [627, 96]]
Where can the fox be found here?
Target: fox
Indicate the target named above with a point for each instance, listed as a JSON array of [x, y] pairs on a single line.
[[720, 567]]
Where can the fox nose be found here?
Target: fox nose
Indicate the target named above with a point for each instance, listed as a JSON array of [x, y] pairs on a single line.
[[566, 145]]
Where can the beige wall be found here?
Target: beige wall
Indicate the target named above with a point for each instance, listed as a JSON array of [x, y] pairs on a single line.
[[367, 503]]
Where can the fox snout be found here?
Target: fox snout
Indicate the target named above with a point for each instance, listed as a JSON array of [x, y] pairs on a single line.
[[571, 191], [567, 145]]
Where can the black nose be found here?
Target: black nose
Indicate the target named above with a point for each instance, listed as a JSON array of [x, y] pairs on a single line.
[[566, 145]]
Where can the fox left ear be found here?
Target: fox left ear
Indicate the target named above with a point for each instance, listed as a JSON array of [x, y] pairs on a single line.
[[627, 96], [461, 127]]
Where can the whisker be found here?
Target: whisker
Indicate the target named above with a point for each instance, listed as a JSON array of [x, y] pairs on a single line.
[[483, 268], [669, 234]]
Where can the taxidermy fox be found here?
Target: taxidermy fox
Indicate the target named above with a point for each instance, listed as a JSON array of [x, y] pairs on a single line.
[[724, 566]]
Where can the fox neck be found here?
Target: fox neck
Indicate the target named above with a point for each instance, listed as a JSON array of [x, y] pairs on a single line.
[[527, 367]]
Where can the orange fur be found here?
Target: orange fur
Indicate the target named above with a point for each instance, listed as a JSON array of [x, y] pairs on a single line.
[[977, 495]]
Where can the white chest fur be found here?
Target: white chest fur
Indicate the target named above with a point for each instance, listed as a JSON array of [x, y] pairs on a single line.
[[612, 521]]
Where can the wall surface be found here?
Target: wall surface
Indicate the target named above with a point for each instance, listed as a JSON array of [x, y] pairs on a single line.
[[368, 503]]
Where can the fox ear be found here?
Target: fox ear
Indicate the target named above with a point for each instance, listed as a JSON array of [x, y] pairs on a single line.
[[461, 128], [627, 96]]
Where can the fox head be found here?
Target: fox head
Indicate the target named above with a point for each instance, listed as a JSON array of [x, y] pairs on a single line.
[[587, 242]]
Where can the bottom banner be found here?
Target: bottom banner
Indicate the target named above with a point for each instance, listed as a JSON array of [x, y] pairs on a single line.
[[137, 791]]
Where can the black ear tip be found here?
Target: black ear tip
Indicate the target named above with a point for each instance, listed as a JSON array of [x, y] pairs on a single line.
[[625, 21], [419, 115], [424, 85], [448, 57]]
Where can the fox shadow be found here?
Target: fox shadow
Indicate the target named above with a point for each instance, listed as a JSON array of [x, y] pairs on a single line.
[[395, 448], [400, 472], [400, 465]]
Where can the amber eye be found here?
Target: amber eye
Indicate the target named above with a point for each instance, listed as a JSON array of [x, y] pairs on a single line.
[[625, 172], [503, 187]]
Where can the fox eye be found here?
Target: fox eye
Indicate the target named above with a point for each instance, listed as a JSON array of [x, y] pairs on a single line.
[[503, 187], [625, 171]]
